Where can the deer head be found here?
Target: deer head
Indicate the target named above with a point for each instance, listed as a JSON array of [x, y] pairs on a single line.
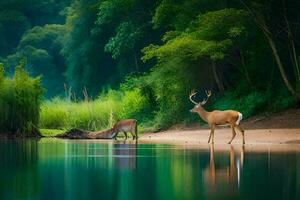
[[198, 105]]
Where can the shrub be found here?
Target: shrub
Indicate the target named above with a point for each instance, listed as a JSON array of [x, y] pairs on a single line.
[[20, 98]]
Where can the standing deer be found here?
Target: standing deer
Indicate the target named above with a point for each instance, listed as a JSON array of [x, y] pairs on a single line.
[[217, 117]]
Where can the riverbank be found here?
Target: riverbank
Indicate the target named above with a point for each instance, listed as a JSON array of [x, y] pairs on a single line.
[[222, 136], [280, 128]]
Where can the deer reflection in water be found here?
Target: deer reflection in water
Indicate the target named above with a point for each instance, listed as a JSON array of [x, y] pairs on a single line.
[[219, 173], [124, 155]]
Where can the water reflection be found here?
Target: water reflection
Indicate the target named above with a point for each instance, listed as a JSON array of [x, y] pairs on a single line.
[[224, 173], [64, 169], [124, 156]]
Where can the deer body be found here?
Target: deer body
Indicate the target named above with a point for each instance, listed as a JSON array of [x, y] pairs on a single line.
[[218, 117], [125, 126]]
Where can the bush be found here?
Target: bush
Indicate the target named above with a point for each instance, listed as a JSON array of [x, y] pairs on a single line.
[[20, 99], [255, 102]]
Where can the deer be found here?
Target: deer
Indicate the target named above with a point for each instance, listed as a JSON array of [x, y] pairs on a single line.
[[125, 126], [217, 117]]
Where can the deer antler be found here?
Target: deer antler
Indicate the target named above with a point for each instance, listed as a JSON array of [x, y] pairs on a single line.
[[208, 94], [193, 93]]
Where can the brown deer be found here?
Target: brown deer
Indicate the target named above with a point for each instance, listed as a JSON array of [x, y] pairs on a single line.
[[127, 125], [217, 117]]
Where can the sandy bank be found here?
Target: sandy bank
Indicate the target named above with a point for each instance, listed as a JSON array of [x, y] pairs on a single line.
[[222, 136]]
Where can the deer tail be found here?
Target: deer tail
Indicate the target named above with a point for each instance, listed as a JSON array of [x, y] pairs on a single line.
[[240, 117]]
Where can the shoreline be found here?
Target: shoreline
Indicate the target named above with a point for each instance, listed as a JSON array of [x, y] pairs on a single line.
[[223, 135]]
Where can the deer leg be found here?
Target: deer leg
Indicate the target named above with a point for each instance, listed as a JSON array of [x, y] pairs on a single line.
[[233, 134], [242, 131], [116, 135], [134, 132], [136, 136], [133, 135], [125, 135], [211, 135]]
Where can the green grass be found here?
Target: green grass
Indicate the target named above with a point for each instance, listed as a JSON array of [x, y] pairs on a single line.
[[51, 132], [92, 115], [98, 114]]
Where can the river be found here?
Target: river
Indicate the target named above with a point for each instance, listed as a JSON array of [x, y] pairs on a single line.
[[81, 169]]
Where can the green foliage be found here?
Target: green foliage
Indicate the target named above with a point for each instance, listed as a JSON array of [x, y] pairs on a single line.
[[254, 102], [211, 35], [41, 46], [86, 66], [154, 52], [20, 99], [177, 14], [124, 41], [184, 60], [12, 25], [250, 104]]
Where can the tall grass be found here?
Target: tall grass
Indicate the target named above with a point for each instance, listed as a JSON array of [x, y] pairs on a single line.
[[98, 114], [20, 98]]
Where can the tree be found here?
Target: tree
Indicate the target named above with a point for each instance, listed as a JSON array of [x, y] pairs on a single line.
[[41, 47], [273, 18], [211, 36], [129, 33]]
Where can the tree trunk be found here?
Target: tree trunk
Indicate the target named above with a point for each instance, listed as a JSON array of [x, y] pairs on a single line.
[[260, 21], [216, 77], [245, 69], [136, 62], [279, 63]]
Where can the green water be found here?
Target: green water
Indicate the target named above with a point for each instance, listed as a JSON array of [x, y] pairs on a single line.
[[64, 169]]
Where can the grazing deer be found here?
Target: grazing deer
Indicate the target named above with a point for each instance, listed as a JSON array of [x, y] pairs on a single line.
[[217, 117], [127, 125]]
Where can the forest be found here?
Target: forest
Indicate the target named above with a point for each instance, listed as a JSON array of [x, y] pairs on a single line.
[[89, 63]]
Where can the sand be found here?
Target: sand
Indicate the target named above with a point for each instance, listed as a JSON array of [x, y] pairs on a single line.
[[222, 136], [281, 128]]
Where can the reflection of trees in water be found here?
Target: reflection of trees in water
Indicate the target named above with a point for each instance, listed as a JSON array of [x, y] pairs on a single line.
[[176, 172], [124, 164], [224, 175], [18, 167]]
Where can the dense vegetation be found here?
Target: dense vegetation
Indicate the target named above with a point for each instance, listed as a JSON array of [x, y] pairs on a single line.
[[20, 99], [102, 60]]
